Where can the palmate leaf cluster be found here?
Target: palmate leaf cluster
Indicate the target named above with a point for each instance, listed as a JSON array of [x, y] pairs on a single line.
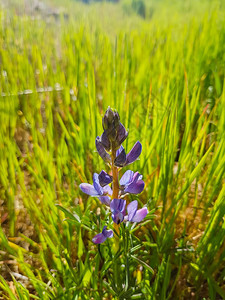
[[165, 76]]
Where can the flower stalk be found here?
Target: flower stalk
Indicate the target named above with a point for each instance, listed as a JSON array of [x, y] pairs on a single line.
[[109, 147]]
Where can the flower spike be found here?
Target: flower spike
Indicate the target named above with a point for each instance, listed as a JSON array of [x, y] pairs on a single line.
[[109, 147]]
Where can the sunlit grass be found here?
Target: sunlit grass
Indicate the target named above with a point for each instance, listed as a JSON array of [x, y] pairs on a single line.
[[165, 76]]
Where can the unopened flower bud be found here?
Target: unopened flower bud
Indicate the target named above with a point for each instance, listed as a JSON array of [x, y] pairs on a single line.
[[111, 120], [114, 131]]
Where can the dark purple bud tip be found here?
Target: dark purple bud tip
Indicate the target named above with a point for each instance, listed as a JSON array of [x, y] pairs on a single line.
[[110, 120], [114, 132]]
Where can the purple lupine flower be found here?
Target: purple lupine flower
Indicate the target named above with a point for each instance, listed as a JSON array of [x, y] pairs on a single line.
[[123, 160], [135, 215], [101, 237], [117, 207], [100, 187], [131, 183]]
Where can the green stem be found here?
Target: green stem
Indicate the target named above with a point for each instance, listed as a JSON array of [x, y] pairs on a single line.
[[126, 255]]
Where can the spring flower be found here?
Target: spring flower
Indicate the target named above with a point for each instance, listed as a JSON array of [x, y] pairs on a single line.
[[117, 207], [135, 215], [100, 187], [123, 160], [131, 183], [101, 237], [109, 147]]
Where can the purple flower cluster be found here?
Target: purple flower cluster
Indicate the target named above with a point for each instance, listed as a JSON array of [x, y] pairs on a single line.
[[112, 152]]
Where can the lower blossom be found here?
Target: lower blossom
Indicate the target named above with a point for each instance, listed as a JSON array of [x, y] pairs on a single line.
[[100, 187], [117, 207], [134, 214], [131, 183], [101, 237]]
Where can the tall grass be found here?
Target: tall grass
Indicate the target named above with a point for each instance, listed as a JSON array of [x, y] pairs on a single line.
[[166, 79]]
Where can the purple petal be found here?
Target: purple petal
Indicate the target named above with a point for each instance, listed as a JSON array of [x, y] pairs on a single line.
[[134, 153], [107, 233], [121, 134], [101, 150], [99, 238], [136, 177], [119, 150], [104, 178], [120, 159], [97, 185], [88, 189], [117, 217], [114, 204], [105, 141], [135, 187], [127, 177], [107, 190], [118, 205], [105, 200], [131, 209], [122, 206], [140, 215]]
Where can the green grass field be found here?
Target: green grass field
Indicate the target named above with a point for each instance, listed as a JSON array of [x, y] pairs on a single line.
[[165, 75]]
